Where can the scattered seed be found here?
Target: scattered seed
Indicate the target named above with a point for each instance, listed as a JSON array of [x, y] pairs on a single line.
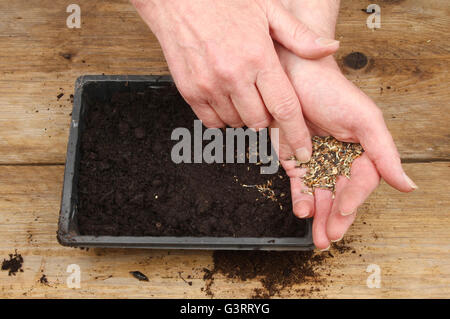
[[43, 280]]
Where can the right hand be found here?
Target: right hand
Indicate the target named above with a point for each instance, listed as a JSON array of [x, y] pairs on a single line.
[[222, 58]]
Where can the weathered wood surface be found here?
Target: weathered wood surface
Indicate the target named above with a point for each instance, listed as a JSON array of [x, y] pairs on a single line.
[[410, 54], [406, 235]]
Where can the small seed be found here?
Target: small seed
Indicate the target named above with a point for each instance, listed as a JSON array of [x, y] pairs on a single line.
[[330, 158]]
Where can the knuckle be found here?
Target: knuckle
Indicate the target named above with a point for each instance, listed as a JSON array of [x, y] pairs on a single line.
[[286, 109], [212, 124], [204, 85], [188, 92], [232, 120], [227, 71], [232, 70], [255, 54], [203, 112], [299, 31], [368, 122], [208, 118], [189, 96], [236, 124], [259, 124]]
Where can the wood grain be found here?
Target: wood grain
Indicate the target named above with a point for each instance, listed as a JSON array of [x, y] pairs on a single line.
[[410, 54], [407, 75], [405, 234]]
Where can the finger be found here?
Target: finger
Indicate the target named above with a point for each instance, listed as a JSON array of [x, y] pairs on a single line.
[[296, 36], [350, 194], [250, 107], [363, 181], [322, 209], [207, 115], [225, 109], [338, 225], [379, 146], [285, 152], [282, 102], [302, 202]]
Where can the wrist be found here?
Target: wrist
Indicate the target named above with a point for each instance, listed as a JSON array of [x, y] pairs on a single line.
[[153, 12]]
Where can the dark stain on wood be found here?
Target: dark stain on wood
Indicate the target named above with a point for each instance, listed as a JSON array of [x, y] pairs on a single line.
[[356, 60], [67, 56]]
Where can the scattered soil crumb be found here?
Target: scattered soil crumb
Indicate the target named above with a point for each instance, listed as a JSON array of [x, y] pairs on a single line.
[[43, 280], [14, 264], [138, 275], [276, 271], [103, 277], [60, 95], [188, 282], [342, 246]]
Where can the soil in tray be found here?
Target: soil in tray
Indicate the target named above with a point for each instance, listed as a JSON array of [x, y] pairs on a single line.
[[129, 185]]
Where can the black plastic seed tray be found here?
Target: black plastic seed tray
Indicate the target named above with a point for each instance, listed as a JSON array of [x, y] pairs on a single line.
[[92, 86]]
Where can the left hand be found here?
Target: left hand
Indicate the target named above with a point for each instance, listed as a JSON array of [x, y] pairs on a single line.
[[332, 105]]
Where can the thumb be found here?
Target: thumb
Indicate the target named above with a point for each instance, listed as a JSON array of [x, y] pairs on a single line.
[[296, 36]]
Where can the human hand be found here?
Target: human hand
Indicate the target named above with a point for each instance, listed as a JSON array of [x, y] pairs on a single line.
[[332, 105], [223, 61]]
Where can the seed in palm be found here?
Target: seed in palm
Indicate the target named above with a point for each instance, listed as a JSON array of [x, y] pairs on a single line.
[[330, 158]]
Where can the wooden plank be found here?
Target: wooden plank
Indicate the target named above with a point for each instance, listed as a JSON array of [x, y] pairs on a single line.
[[407, 69], [113, 40], [33, 39], [412, 29], [405, 234]]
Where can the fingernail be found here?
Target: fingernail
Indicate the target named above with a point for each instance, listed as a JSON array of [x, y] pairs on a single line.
[[302, 210], [326, 42], [302, 155], [303, 215], [326, 249], [410, 181], [336, 240], [347, 213]]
